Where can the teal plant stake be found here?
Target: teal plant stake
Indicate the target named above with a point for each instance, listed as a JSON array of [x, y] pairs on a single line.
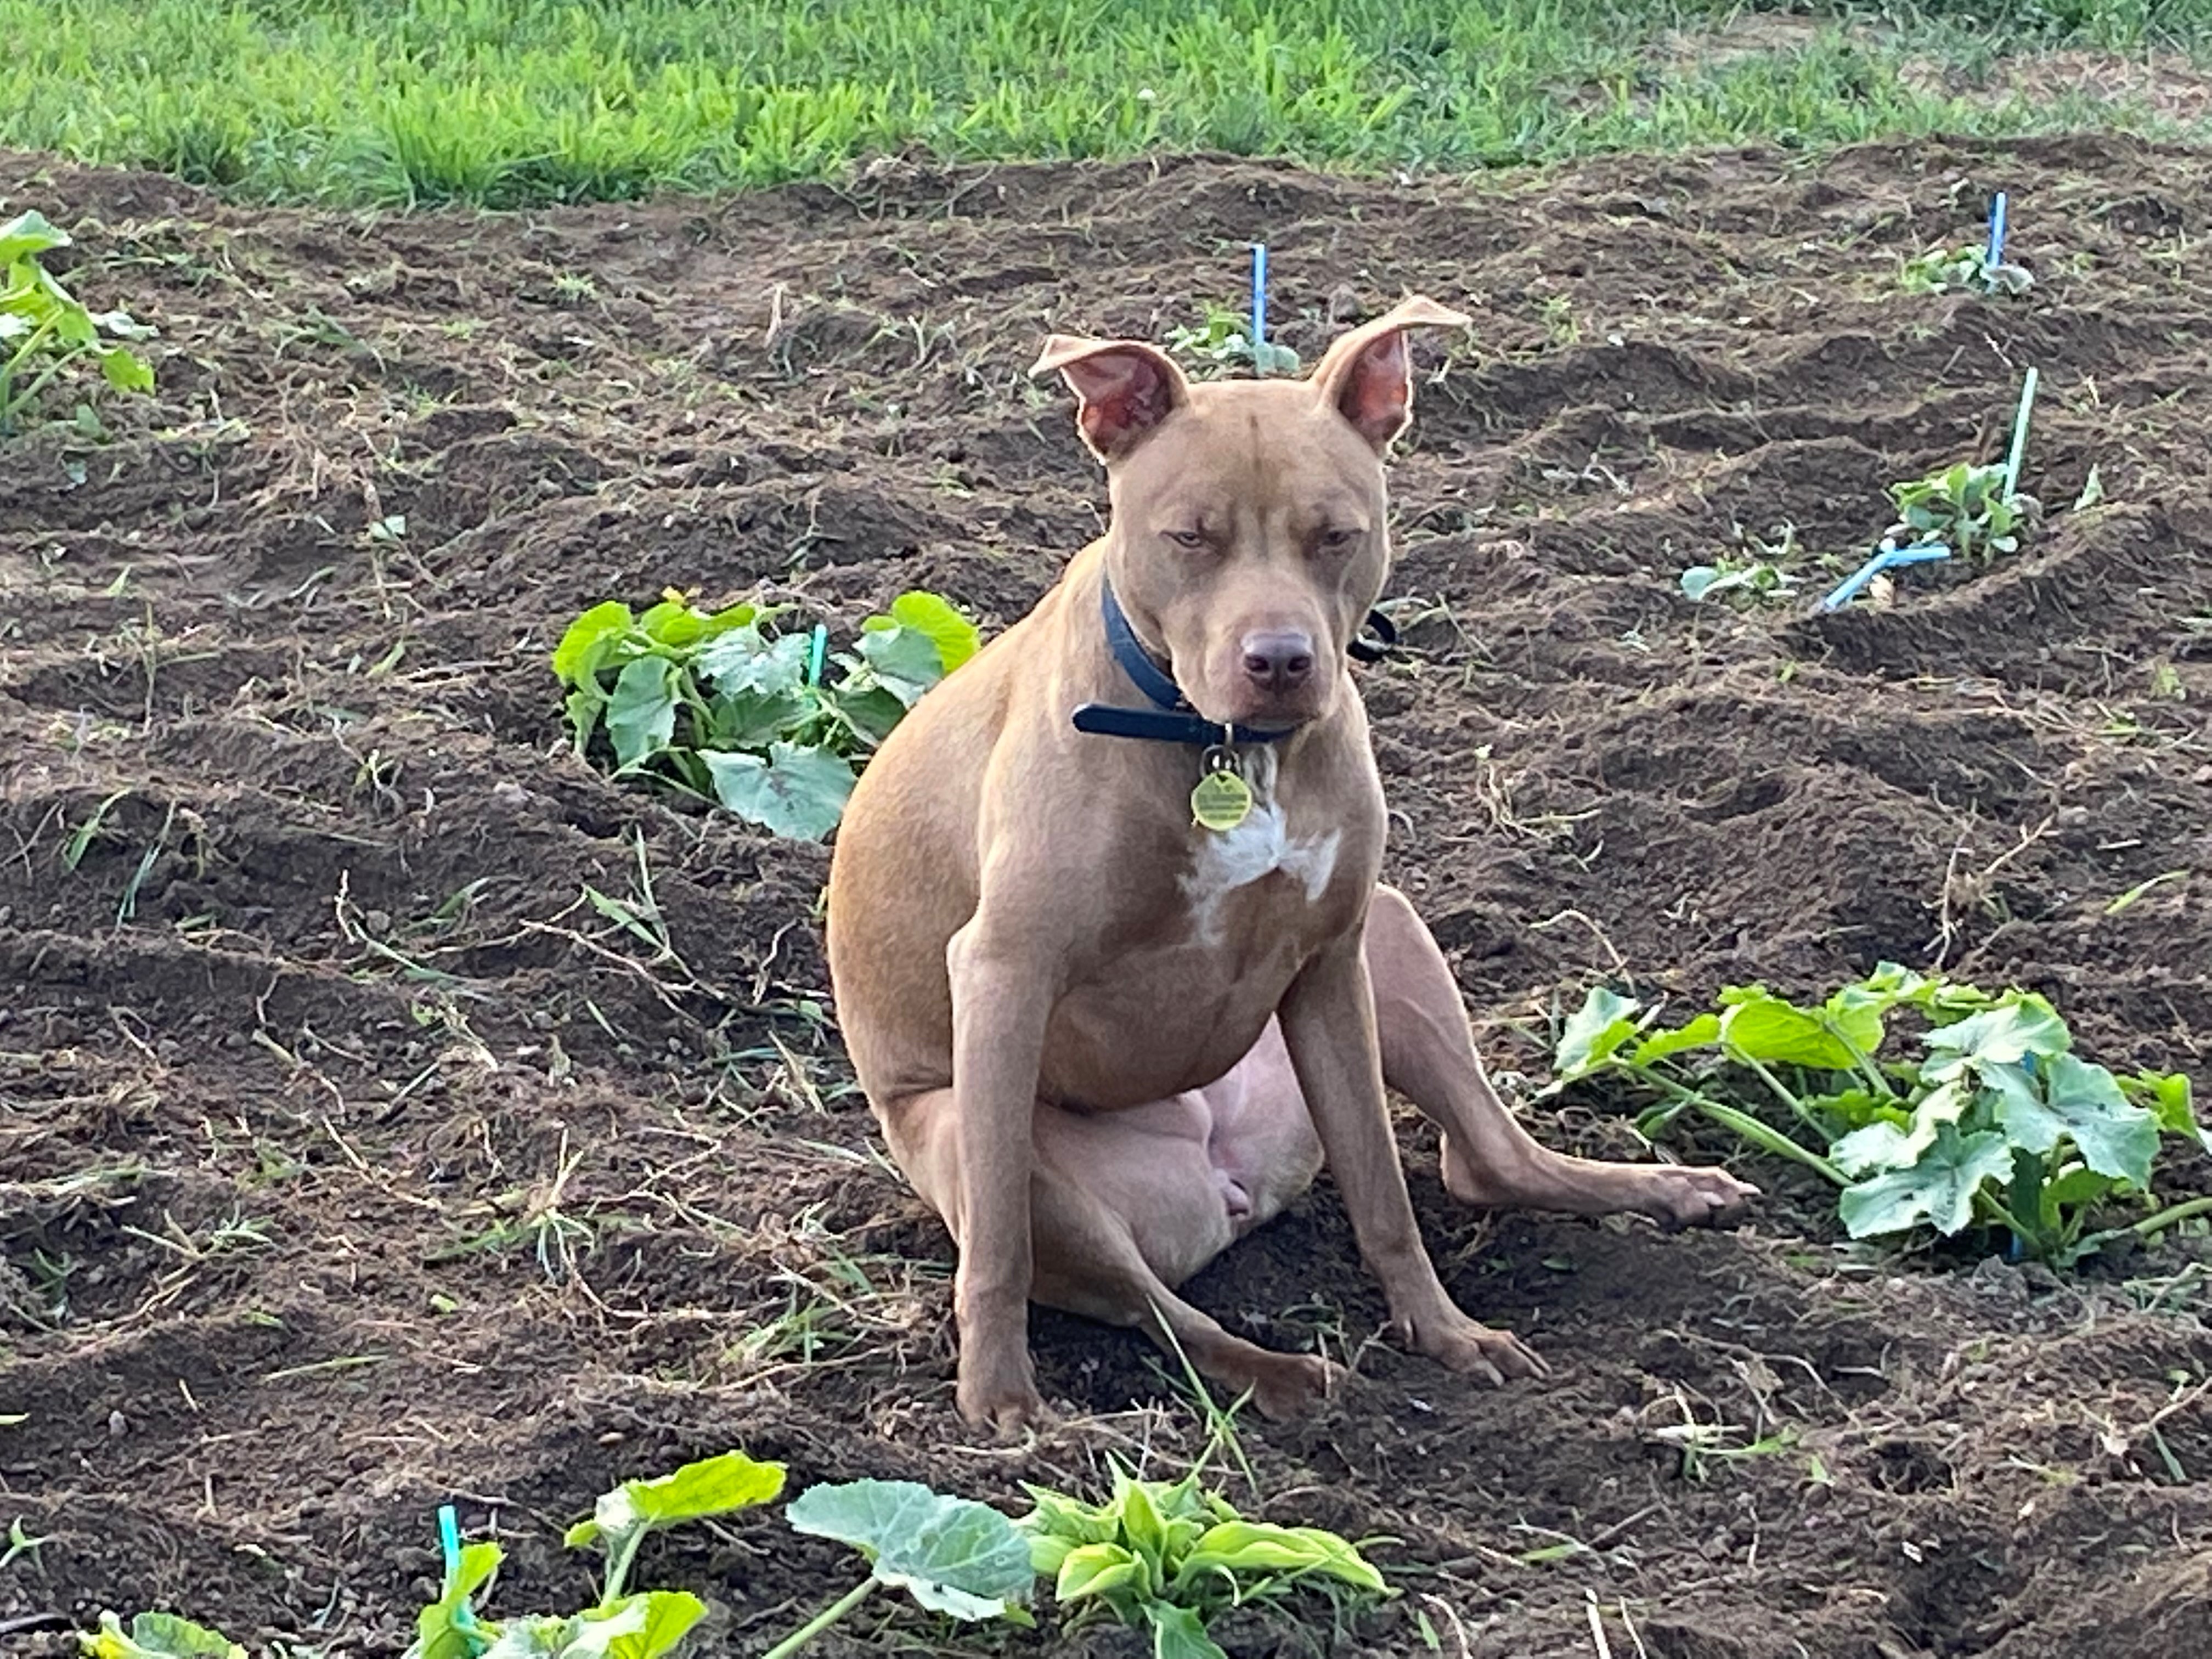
[[2019, 434], [1258, 307], [449, 1542]]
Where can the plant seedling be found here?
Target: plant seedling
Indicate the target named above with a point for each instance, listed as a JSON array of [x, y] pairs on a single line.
[[1757, 580], [44, 328], [1964, 271], [1169, 1557], [1970, 508], [1225, 340], [718, 706], [624, 1625], [156, 1635], [951, 1554], [1999, 1124]]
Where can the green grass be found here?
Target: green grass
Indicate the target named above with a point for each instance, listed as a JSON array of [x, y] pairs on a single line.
[[509, 102]]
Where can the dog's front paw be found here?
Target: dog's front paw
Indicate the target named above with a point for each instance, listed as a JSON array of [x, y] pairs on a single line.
[[1675, 1195], [1290, 1385], [1003, 1399], [1473, 1349]]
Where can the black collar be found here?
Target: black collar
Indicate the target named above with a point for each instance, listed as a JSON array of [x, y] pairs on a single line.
[[1171, 719]]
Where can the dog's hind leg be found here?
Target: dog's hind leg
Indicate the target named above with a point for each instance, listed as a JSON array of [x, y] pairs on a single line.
[[1428, 1056], [1123, 1205]]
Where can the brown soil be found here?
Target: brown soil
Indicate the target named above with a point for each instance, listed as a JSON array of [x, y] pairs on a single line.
[[353, 1163]]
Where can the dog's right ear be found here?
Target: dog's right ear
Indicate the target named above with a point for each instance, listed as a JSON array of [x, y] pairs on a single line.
[[1126, 388]]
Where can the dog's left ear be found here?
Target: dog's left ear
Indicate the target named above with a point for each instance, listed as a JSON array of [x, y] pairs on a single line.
[[1368, 374]]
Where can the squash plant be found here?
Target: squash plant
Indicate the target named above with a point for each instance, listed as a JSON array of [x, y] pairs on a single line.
[[1997, 1123]]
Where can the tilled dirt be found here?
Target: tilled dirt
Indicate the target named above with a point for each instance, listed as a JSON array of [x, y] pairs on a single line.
[[355, 1161]]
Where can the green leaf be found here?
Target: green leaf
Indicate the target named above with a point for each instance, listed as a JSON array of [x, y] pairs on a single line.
[[1774, 1032], [957, 638], [951, 1554], [796, 792], [1244, 1547], [1595, 1034], [438, 1632], [125, 371], [740, 661], [2168, 1096], [2076, 1187], [123, 326], [29, 233], [1939, 1189], [1852, 1109], [730, 618], [642, 1626], [2017, 1027], [1700, 1033], [674, 623], [158, 1636], [541, 1636], [668, 1617], [1700, 580], [641, 714], [905, 660], [872, 712], [583, 707], [1177, 1633], [1096, 1568], [1048, 1552], [1884, 1144], [1059, 1516], [752, 720], [576, 659], [1142, 1526], [2069, 1098], [713, 1485]]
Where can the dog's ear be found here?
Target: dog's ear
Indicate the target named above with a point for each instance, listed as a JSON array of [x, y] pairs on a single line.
[[1126, 389], [1368, 374]]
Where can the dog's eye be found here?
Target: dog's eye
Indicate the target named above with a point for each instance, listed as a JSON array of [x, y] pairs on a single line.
[[1190, 539], [1337, 540]]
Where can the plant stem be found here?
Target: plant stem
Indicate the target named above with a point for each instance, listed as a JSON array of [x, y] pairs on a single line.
[[1781, 1091], [1761, 1135], [820, 1621], [619, 1561], [2031, 1241], [2151, 1225], [11, 401], [1864, 1062], [2025, 1196]]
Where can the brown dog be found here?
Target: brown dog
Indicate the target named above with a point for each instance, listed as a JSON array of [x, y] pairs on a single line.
[[1105, 1041]]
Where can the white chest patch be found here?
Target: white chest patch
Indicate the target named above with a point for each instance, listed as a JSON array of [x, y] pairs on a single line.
[[1227, 860]]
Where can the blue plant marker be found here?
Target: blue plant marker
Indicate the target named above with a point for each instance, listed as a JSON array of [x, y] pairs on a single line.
[[1258, 307], [1996, 255], [816, 650], [449, 1542], [1888, 558]]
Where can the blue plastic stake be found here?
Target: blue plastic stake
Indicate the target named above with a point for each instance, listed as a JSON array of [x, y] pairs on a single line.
[[1888, 558], [2019, 433], [816, 650], [1996, 255], [1258, 307], [449, 1542]]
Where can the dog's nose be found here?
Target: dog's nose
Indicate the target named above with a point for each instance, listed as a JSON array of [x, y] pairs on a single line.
[[1278, 660]]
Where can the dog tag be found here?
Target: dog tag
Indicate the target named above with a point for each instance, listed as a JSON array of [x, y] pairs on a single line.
[[1222, 801]]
